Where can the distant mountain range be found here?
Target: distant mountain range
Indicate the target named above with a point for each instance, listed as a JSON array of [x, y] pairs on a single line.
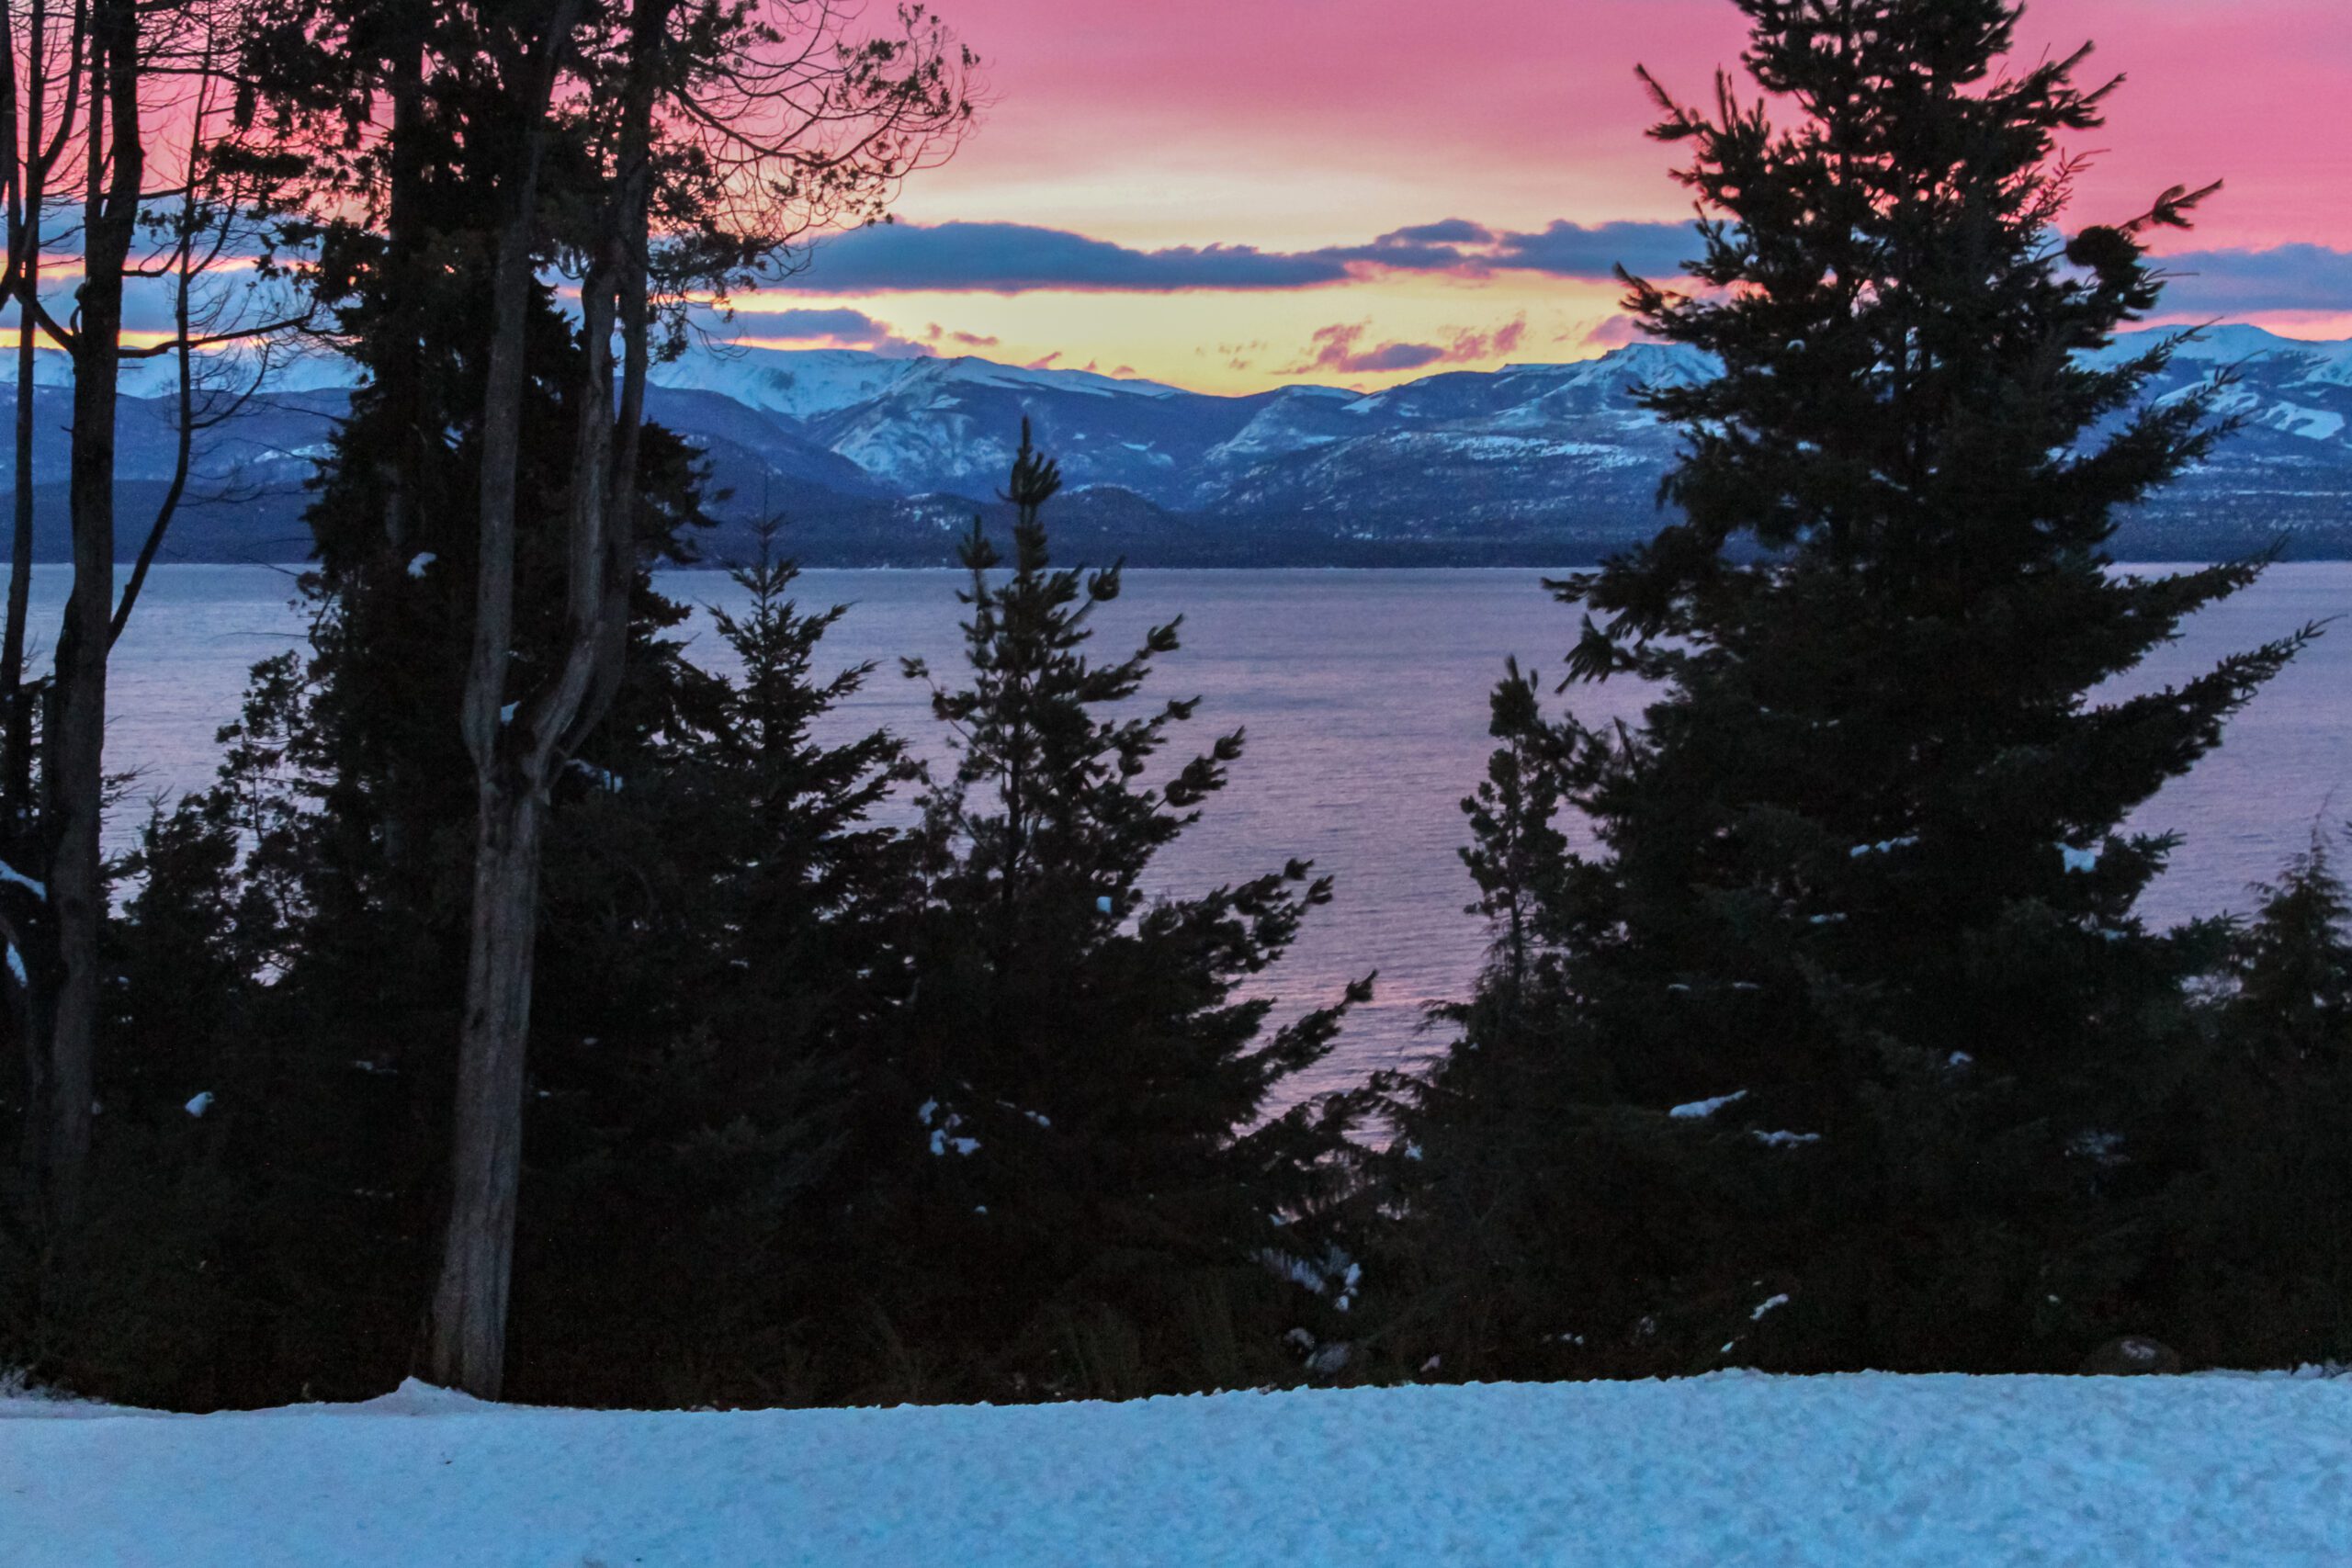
[[883, 461]]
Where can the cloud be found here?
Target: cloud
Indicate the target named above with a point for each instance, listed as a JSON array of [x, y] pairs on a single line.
[[1014, 258], [1614, 331], [834, 328], [2244, 282], [1503, 340], [1445, 231], [1339, 348], [228, 296], [935, 333], [1572, 250], [840, 325], [1331, 348], [1335, 347], [1017, 258]]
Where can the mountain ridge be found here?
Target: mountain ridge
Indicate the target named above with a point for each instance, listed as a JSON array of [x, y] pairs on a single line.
[[881, 460]]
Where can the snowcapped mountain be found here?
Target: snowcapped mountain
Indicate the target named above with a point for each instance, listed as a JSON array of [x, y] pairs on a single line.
[[799, 385], [876, 460], [1533, 461], [1508, 452], [952, 425], [2287, 467], [314, 371], [1517, 446], [2251, 348], [806, 384]]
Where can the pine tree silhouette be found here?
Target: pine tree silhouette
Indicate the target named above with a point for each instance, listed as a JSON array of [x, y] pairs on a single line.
[[1864, 886]]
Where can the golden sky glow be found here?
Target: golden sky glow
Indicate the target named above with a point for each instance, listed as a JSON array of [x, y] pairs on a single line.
[[1293, 125]]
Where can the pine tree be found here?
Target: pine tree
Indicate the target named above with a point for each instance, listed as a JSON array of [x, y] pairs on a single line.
[[507, 485], [344, 809], [2259, 1232], [718, 951], [1517, 843], [1863, 901], [719, 946], [239, 1218], [1093, 1182]]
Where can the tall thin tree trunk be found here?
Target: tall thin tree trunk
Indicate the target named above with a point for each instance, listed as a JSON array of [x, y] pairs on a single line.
[[401, 375], [75, 769], [378, 585], [468, 1348], [15, 704], [16, 708], [184, 442], [469, 1304], [486, 1166], [27, 928]]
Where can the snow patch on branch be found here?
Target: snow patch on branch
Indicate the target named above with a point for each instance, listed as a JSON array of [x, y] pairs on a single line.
[[1884, 846], [943, 1125], [1700, 1110], [610, 782]]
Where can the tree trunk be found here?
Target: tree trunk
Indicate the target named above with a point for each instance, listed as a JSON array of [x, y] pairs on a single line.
[[469, 1304], [469, 1347], [27, 1012], [73, 770], [35, 159], [524, 750], [401, 374], [16, 706], [31, 190], [468, 1325]]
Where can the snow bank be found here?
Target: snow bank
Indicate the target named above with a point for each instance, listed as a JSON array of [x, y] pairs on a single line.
[[1729, 1469]]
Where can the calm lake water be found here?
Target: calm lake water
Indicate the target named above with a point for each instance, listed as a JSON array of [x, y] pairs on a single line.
[[1364, 696]]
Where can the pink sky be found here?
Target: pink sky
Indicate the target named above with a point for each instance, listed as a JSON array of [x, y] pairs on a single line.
[[1289, 124]]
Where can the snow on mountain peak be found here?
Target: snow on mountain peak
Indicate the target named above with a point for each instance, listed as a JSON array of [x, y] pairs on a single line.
[[1645, 361], [970, 369], [800, 383], [808, 383]]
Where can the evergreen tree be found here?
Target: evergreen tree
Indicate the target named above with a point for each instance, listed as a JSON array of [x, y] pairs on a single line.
[[503, 490], [238, 1220], [2259, 1238], [1852, 1014], [717, 951], [1518, 844], [719, 910], [346, 808], [1092, 1184]]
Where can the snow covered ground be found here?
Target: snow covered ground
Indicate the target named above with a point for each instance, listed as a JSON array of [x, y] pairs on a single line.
[[1728, 1469]]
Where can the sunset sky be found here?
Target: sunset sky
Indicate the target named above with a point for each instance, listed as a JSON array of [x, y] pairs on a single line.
[[1233, 195]]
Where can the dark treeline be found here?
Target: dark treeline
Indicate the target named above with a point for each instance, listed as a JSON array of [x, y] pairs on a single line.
[[533, 1008]]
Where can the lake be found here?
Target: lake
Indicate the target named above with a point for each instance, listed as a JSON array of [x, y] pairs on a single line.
[[1364, 697]]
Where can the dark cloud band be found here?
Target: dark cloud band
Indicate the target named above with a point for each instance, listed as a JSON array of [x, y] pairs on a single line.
[[1573, 250], [2286, 277], [1018, 258]]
